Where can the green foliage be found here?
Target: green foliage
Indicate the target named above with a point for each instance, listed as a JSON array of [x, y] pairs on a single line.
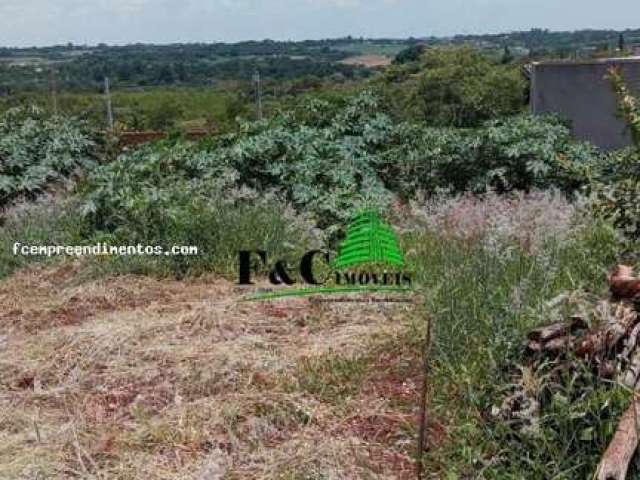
[[145, 109], [579, 417], [629, 105], [617, 186], [41, 223], [507, 56], [456, 87], [333, 161], [178, 195], [542, 43], [526, 152], [483, 302], [36, 151], [409, 54], [84, 68], [219, 228], [153, 182], [516, 153], [164, 114], [329, 160], [617, 192], [324, 170], [461, 88]]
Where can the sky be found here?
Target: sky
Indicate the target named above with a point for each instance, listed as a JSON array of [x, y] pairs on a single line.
[[50, 22]]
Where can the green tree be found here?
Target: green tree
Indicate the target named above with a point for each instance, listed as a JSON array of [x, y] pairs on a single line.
[[164, 114], [460, 87], [237, 106], [617, 189], [507, 56], [410, 54]]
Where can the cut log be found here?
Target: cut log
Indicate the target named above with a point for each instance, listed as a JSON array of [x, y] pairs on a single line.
[[546, 333], [578, 323], [618, 321], [612, 345], [558, 329], [630, 376], [534, 347], [630, 343], [623, 284], [558, 345], [607, 369], [615, 461]]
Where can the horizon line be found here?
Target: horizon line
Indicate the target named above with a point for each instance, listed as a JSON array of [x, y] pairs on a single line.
[[319, 39]]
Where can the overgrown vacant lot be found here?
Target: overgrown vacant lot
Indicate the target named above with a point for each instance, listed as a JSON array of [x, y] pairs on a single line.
[[132, 377], [152, 367]]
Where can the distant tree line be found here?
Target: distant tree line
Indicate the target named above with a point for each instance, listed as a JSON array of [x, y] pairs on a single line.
[[84, 69]]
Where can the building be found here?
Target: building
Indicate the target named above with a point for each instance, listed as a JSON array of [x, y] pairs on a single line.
[[581, 93]]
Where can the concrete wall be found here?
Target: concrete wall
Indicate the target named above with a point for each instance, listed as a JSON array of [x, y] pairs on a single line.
[[580, 93]]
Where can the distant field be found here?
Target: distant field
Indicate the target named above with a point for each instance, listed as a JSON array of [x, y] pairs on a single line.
[[153, 108], [24, 61], [372, 48], [370, 61]]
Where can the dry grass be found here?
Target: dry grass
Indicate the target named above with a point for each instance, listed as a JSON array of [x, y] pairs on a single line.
[[129, 378], [525, 219]]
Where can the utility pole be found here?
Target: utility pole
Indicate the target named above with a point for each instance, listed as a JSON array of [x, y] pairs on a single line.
[[107, 94], [258, 89], [52, 90]]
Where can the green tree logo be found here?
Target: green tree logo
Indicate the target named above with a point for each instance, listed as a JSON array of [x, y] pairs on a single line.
[[369, 240]]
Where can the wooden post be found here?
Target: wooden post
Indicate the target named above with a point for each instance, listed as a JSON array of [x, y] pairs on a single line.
[[107, 94], [52, 90], [424, 394], [258, 88]]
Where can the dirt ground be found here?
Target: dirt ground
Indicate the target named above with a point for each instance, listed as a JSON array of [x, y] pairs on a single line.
[[131, 377]]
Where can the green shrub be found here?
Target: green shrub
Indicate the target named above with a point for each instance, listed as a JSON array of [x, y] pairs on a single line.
[[579, 416], [332, 162], [617, 192], [483, 302], [526, 152], [409, 54], [454, 86], [341, 159], [45, 223], [327, 171], [617, 184], [179, 195], [516, 153], [36, 150], [219, 228], [328, 160]]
